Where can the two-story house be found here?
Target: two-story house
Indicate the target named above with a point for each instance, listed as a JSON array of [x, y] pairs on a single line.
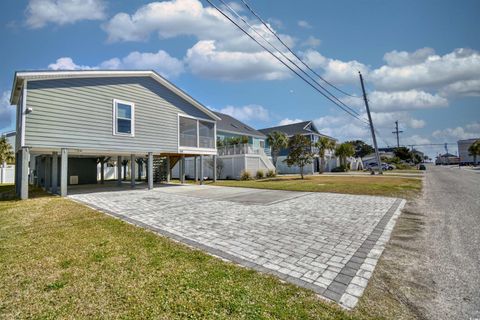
[[67, 120], [308, 129]]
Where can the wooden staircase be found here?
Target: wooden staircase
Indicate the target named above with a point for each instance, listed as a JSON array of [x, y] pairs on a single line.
[[160, 167]]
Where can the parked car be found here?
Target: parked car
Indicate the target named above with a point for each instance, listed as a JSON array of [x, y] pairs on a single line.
[[374, 166], [422, 167]]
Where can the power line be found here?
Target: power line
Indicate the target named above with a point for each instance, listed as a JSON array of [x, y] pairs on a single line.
[[286, 57], [280, 60], [292, 52]]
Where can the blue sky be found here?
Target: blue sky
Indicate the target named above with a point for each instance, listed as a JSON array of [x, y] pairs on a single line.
[[420, 59]]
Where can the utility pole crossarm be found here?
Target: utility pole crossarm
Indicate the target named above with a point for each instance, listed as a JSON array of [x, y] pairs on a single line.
[[377, 155], [397, 132]]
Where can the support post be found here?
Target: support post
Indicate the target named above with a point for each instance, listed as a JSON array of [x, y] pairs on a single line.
[[182, 169], [132, 170], [24, 174], [64, 172], [201, 169], [150, 170], [377, 155], [102, 170], [169, 171], [48, 169], [119, 170], [214, 168], [54, 172], [195, 173]]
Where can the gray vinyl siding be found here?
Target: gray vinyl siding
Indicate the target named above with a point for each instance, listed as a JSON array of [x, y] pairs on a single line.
[[78, 113]]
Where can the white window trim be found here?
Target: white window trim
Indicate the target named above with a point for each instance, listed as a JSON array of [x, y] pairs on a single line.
[[198, 133], [114, 113]]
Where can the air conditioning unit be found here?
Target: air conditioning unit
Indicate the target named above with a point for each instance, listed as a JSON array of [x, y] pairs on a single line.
[[73, 179]]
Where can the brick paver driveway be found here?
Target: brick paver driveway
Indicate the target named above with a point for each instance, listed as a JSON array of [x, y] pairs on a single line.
[[329, 243]]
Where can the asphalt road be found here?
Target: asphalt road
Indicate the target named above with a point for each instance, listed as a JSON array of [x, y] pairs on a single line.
[[449, 259]]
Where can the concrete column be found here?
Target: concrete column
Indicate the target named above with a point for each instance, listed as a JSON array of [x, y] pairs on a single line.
[[48, 170], [64, 172], [169, 171], [54, 172], [132, 170], [195, 171], [182, 169], [24, 173], [102, 170], [214, 168], [119, 170], [201, 169], [150, 170]]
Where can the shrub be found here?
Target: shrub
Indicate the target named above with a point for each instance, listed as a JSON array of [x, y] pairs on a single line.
[[260, 174], [342, 168], [245, 175], [271, 173]]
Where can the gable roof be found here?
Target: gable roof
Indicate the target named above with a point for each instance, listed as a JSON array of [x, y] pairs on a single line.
[[304, 127], [21, 76], [229, 124]]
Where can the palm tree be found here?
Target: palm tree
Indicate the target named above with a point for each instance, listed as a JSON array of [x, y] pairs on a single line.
[[343, 151], [323, 144], [6, 153], [277, 141], [474, 151]]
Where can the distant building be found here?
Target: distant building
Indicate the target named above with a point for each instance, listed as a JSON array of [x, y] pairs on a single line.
[[446, 159], [463, 145]]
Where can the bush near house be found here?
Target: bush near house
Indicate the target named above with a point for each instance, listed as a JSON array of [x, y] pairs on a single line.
[[245, 175], [342, 168], [260, 174], [271, 173]]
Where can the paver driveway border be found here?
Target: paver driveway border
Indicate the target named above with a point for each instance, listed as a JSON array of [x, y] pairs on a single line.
[[346, 287]]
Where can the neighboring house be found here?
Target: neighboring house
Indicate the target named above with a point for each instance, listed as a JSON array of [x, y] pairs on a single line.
[[463, 145], [69, 120], [250, 156], [447, 158], [308, 129]]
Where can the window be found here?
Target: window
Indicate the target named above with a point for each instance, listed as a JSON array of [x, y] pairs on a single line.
[[188, 132], [207, 134], [196, 133], [123, 118]]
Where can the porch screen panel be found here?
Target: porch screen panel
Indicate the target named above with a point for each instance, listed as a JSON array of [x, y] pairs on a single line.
[[207, 134], [188, 132]]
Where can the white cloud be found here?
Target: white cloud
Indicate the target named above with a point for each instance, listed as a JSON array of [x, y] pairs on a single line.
[[462, 88], [66, 63], [41, 12], [471, 130], [337, 71], [7, 112], [415, 140], [304, 24], [403, 58], [311, 42], [222, 51], [381, 101], [160, 61], [435, 72], [206, 60], [247, 113], [286, 121]]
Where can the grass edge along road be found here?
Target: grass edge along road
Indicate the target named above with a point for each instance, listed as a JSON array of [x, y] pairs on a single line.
[[389, 186]]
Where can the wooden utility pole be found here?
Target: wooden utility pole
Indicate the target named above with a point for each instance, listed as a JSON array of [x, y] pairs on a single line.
[[397, 132], [377, 155]]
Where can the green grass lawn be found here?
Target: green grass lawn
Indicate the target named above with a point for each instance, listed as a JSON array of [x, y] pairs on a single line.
[[392, 186], [60, 259]]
